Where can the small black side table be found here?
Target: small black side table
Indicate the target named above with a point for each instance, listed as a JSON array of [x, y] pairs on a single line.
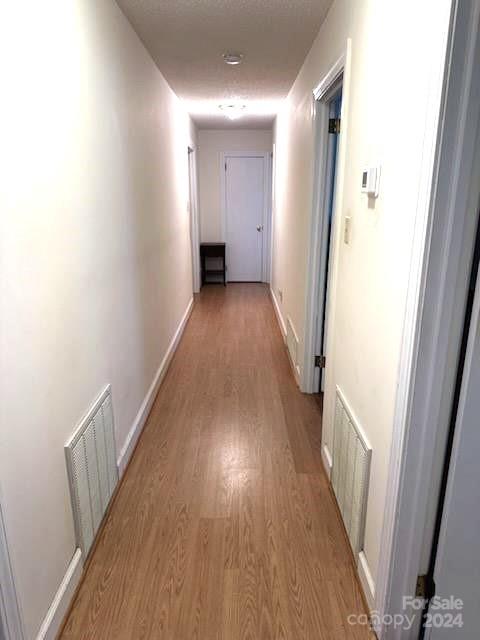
[[212, 250]]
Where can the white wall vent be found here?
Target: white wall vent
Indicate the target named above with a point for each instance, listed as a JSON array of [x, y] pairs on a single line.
[[92, 469], [350, 472], [292, 343]]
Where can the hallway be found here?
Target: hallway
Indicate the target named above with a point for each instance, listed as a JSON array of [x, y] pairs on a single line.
[[224, 525]]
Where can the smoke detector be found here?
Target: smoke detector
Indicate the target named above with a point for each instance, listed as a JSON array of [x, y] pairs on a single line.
[[232, 58]]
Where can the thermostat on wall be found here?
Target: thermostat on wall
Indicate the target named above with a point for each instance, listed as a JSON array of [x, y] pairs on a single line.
[[370, 181]]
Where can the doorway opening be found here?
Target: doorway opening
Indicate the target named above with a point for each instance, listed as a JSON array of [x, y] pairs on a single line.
[[335, 108], [328, 99], [453, 565]]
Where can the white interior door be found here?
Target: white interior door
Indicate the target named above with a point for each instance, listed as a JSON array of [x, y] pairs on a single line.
[[244, 212], [457, 565]]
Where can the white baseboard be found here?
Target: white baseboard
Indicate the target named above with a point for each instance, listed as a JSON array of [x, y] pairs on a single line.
[[295, 369], [59, 607], [278, 313], [297, 374], [366, 580], [327, 460], [142, 415], [283, 329]]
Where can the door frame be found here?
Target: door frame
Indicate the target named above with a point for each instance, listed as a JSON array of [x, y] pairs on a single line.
[[267, 208], [443, 245], [457, 505], [194, 217], [321, 95], [272, 205], [267, 224], [10, 615]]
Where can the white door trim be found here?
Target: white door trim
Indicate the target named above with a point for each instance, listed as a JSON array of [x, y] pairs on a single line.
[[272, 213], [267, 209], [443, 241], [334, 73], [10, 615], [319, 217], [267, 221], [194, 217]]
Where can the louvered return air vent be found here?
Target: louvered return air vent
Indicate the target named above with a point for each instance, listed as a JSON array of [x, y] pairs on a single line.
[[350, 471], [92, 469]]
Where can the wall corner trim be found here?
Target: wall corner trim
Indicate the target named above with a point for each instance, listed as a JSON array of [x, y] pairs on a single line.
[[278, 313], [366, 580], [142, 415], [61, 602]]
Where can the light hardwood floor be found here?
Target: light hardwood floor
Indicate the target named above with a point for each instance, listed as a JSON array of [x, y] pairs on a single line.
[[224, 526]]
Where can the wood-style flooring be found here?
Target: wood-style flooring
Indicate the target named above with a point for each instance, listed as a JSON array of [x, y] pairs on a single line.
[[224, 526]]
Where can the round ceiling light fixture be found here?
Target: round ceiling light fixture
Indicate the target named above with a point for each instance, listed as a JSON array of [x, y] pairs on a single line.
[[232, 58], [233, 111]]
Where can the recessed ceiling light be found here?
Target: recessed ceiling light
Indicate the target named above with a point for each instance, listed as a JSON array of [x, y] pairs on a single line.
[[233, 111], [232, 58]]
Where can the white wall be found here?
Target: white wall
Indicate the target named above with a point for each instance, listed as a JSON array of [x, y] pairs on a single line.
[[211, 144], [95, 255], [386, 109]]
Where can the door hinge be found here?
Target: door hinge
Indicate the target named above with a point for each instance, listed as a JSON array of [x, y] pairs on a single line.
[[425, 587], [225, 166], [334, 125], [320, 362]]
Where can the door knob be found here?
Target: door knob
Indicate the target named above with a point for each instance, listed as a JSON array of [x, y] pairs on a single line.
[[260, 227]]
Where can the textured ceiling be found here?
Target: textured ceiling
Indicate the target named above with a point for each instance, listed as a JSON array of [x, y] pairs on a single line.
[[187, 38]]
